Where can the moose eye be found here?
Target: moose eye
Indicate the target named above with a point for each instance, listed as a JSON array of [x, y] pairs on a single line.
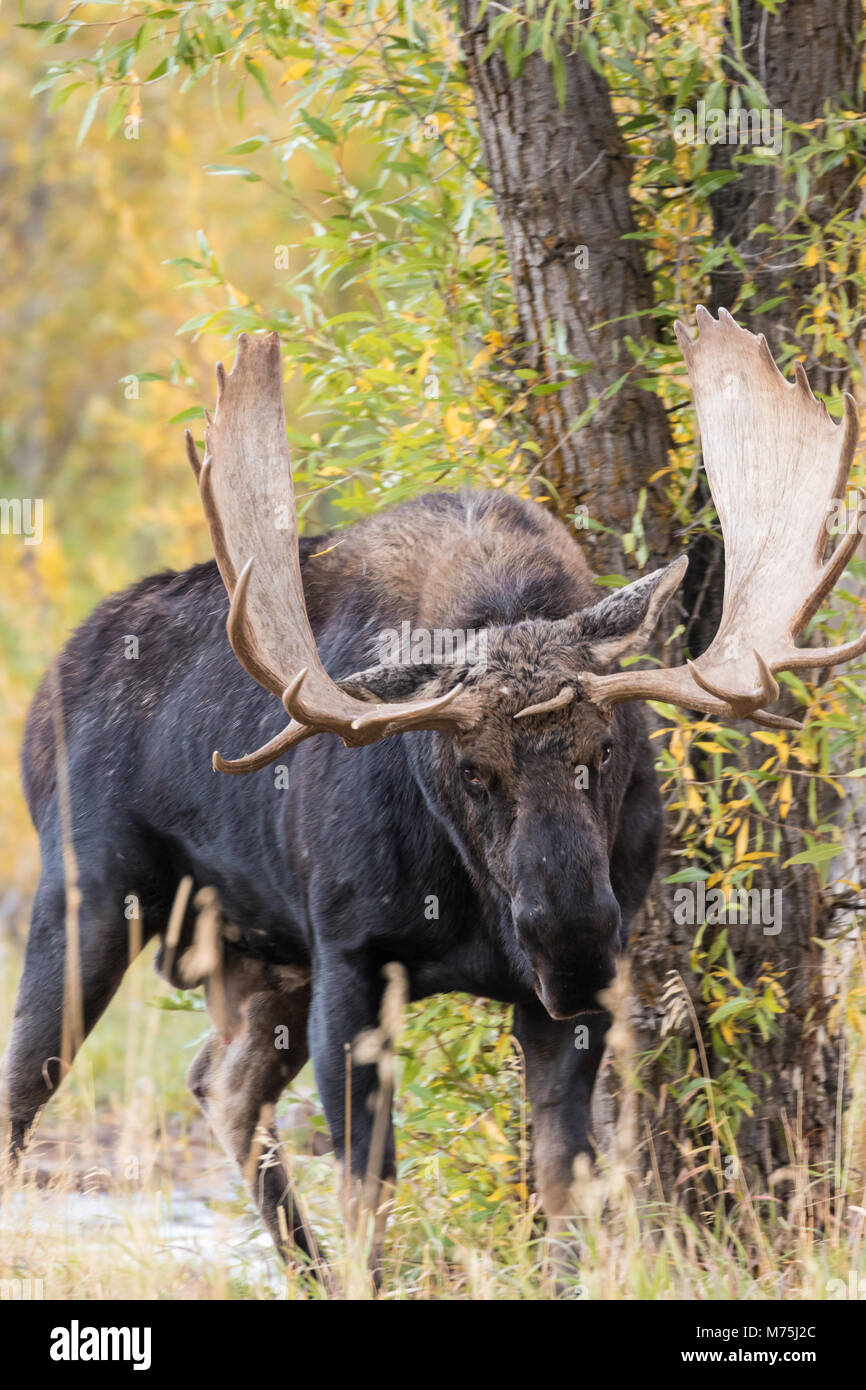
[[606, 754], [471, 778]]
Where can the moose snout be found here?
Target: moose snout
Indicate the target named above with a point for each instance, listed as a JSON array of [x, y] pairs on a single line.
[[541, 923], [572, 954]]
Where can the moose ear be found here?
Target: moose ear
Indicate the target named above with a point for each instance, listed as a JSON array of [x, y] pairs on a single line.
[[622, 623]]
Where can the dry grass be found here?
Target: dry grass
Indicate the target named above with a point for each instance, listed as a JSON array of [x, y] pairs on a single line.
[[124, 1195]]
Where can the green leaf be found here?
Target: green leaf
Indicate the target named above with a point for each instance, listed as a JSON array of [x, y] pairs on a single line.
[[87, 118], [237, 170], [181, 1002], [160, 70], [255, 142], [815, 854], [708, 183], [62, 94], [256, 72], [559, 78], [727, 1010], [318, 126], [196, 322], [116, 112]]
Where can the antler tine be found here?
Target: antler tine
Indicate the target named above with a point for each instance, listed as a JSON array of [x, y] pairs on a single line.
[[565, 697], [192, 453], [381, 719], [675, 686], [246, 489], [741, 706], [268, 753], [240, 636], [218, 540], [775, 462]]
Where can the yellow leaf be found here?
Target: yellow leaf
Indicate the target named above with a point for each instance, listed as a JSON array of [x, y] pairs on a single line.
[[424, 362], [295, 70], [786, 796], [857, 1021], [742, 845]]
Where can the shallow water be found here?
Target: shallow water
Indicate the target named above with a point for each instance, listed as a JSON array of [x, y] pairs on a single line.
[[139, 1226]]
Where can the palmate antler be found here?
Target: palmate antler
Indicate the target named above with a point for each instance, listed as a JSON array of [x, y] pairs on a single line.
[[775, 462], [246, 489]]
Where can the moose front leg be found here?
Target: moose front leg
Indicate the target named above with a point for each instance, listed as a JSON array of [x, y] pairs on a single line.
[[352, 1050], [562, 1059], [258, 1045]]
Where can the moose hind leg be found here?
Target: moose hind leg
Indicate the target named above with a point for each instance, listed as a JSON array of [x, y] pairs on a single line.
[[237, 1079], [48, 1029]]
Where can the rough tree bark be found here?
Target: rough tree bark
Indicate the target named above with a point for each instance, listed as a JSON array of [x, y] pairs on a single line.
[[806, 58], [560, 177], [561, 180]]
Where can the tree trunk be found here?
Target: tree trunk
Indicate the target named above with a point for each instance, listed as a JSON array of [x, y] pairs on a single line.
[[561, 181], [564, 204], [806, 58]]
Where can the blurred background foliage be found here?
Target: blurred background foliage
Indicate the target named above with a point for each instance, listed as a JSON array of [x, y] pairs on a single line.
[[186, 206]]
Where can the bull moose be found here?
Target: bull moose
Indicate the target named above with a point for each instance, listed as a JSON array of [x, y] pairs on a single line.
[[406, 779]]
